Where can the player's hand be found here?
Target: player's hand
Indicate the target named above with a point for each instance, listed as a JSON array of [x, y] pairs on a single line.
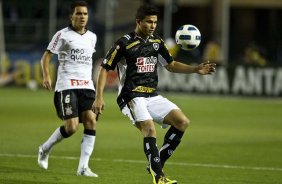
[[206, 68], [98, 107], [47, 83]]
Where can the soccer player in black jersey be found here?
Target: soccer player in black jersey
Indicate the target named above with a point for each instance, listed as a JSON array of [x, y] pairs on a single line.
[[136, 55]]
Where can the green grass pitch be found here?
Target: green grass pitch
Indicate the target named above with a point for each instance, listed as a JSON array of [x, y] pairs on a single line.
[[230, 141]]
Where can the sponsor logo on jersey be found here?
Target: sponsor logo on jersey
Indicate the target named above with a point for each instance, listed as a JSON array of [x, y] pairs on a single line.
[[56, 42], [80, 56], [155, 40], [146, 64], [144, 89], [75, 82]]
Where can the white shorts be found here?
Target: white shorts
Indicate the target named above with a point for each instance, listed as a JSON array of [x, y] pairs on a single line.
[[151, 108]]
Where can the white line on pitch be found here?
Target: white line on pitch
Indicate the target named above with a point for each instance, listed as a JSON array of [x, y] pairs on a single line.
[[144, 162], [208, 165]]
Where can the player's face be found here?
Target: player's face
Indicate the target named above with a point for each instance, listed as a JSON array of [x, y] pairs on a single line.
[[79, 18], [147, 26]]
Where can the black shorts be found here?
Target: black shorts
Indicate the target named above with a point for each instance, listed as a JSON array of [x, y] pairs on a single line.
[[71, 103]]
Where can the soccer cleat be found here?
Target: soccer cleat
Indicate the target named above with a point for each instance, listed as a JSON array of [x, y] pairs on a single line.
[[43, 158], [86, 172], [168, 181], [164, 180]]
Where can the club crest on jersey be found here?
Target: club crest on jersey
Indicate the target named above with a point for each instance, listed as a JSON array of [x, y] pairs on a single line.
[[156, 46], [105, 61], [146, 64]]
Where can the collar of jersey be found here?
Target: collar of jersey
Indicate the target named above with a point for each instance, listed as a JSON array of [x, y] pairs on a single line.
[[72, 28], [137, 36]]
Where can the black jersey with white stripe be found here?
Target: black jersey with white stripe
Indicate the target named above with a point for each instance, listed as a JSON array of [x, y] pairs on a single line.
[[137, 60]]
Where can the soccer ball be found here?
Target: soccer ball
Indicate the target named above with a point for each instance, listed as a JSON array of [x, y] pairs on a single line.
[[188, 37]]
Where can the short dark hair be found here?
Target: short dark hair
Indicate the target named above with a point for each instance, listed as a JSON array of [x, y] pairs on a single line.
[[75, 4], [146, 10]]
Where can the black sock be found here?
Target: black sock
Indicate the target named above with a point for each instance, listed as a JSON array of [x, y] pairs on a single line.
[[89, 132], [63, 132], [171, 141], [152, 154]]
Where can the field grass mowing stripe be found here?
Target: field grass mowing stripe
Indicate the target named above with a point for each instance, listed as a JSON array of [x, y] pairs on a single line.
[[207, 165], [144, 162]]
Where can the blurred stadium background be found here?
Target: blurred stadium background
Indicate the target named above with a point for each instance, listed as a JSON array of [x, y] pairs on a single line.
[[242, 36], [235, 135]]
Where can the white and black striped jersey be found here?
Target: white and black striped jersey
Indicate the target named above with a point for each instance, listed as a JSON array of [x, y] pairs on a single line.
[[74, 52], [136, 60]]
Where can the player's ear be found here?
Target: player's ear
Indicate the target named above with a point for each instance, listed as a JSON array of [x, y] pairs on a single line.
[[138, 21]]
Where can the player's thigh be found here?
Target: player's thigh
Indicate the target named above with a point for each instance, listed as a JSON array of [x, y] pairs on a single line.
[[159, 107], [88, 118], [147, 128], [178, 119], [136, 110], [71, 125], [66, 104], [86, 99]]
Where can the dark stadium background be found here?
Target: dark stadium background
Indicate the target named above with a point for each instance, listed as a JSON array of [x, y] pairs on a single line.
[[235, 133]]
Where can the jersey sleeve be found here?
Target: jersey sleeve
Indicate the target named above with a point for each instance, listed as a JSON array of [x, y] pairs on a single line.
[[55, 43], [94, 42], [164, 57], [114, 55]]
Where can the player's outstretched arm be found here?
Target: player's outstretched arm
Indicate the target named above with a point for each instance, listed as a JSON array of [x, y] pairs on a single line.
[[45, 62], [203, 68], [99, 103], [206, 68]]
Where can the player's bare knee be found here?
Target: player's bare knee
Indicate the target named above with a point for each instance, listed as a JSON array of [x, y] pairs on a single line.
[[150, 132], [90, 124], [71, 129], [186, 122], [183, 123]]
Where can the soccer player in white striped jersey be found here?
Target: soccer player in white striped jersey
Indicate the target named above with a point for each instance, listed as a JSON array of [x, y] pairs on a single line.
[[74, 90]]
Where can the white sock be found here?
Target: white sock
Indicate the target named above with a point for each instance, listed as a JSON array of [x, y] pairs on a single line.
[[53, 139], [87, 147]]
